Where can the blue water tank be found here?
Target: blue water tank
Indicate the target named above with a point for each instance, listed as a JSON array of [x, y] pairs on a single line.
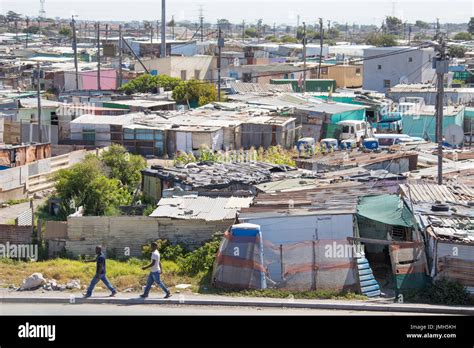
[[371, 144]]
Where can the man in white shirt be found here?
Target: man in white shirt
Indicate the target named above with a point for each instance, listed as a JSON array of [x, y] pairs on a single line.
[[154, 276]]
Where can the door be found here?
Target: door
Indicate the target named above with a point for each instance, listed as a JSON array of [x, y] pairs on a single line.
[[184, 142]]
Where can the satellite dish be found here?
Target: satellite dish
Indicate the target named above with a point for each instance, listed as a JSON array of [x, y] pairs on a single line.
[[454, 135], [404, 80]]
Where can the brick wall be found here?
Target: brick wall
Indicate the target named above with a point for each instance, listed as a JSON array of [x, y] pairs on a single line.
[[15, 234]]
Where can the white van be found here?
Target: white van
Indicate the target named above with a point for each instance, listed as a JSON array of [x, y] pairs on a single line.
[[355, 130], [386, 140]]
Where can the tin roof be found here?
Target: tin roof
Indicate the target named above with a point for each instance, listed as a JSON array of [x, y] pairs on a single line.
[[218, 175], [201, 208], [431, 193]]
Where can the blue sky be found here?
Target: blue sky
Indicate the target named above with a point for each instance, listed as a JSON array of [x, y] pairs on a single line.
[[279, 11]]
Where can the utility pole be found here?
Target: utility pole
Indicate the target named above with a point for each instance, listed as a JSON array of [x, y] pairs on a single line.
[[321, 39], [303, 88], [201, 21], [437, 27], [274, 30], [220, 44], [27, 31], [98, 57], [16, 31], [74, 47], [297, 25], [442, 64], [151, 37], [243, 31], [120, 48], [38, 71], [172, 26], [107, 33], [163, 29], [409, 35]]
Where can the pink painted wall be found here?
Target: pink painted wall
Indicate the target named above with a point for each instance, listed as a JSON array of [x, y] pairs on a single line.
[[108, 79]]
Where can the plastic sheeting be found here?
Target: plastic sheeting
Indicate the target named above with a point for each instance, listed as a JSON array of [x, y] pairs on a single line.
[[239, 261], [387, 209]]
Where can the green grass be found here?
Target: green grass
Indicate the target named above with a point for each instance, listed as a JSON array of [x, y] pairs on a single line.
[[279, 293], [122, 274], [129, 275], [17, 201]]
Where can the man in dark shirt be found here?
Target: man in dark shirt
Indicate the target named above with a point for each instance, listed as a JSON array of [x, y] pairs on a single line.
[[99, 274]]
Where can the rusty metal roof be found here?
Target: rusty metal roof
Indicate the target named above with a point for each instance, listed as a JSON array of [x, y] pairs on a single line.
[[431, 193], [329, 199]]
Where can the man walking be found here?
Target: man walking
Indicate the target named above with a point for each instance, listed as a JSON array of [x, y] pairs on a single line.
[[99, 274], [154, 276]]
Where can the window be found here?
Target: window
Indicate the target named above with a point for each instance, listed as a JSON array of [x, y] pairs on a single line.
[[247, 77], [324, 71], [379, 67], [128, 134], [410, 59], [54, 118], [197, 74], [357, 71], [88, 135], [183, 75], [346, 129], [358, 127], [386, 83]]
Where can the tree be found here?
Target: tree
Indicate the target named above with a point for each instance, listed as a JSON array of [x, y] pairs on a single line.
[[195, 91], [333, 33], [13, 16], [251, 32], [85, 184], [422, 25], [32, 30], [394, 25], [462, 36], [471, 26], [65, 31], [457, 51], [381, 40], [149, 84], [167, 82], [288, 39], [123, 166]]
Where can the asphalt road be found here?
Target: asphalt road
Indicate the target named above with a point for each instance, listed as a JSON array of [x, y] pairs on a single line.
[[151, 309]]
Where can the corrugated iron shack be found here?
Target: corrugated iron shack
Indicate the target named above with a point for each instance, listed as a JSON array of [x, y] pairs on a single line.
[[446, 216]]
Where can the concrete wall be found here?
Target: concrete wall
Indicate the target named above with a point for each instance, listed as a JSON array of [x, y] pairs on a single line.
[[15, 182], [172, 66], [15, 234], [120, 232], [397, 68], [29, 133]]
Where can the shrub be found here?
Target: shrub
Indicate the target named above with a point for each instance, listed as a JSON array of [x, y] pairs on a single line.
[[166, 249], [207, 155], [442, 291], [183, 158], [448, 292], [201, 259], [189, 263]]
